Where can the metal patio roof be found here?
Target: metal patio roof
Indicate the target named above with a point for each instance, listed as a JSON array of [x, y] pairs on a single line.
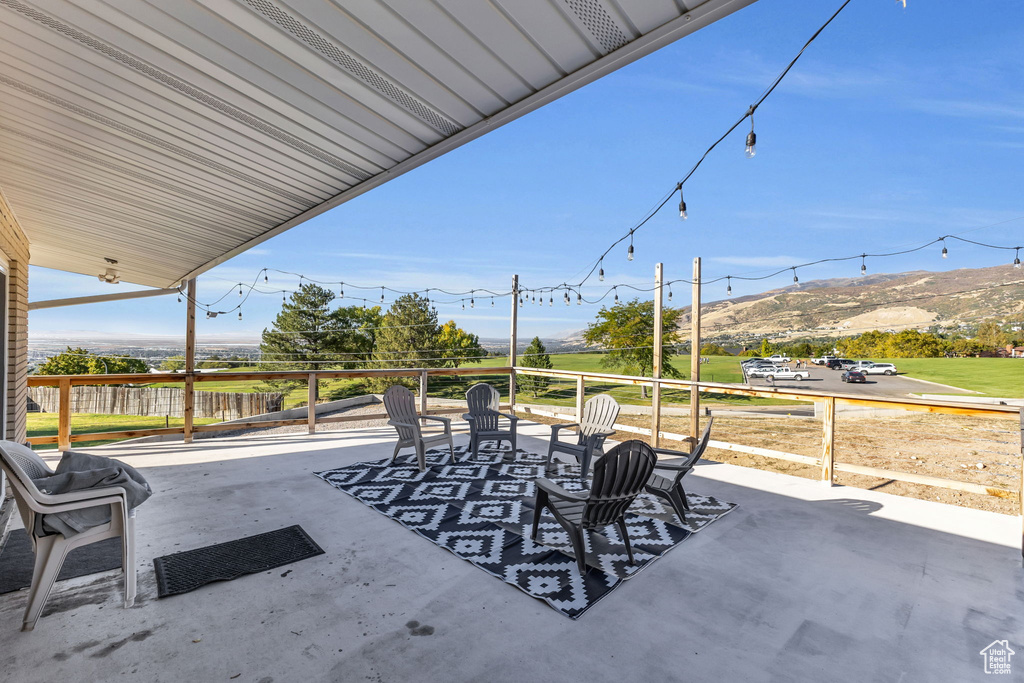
[[171, 136]]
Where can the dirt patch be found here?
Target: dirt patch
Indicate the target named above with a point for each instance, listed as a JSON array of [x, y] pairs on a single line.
[[943, 446]]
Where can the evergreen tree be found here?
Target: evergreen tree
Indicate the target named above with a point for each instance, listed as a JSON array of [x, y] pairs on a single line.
[[407, 338], [535, 356]]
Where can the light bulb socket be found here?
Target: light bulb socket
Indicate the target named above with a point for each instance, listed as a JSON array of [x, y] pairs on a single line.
[[751, 149], [600, 275], [629, 254], [682, 210], [945, 252]]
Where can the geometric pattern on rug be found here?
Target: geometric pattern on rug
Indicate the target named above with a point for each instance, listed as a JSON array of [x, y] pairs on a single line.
[[482, 511]]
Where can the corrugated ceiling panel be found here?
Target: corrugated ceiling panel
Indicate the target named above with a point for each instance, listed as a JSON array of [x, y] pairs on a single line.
[[173, 135]]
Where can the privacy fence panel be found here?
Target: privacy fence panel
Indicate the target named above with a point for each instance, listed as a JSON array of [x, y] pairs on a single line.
[[113, 400]]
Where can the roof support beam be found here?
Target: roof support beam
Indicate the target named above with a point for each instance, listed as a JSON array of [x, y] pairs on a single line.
[[99, 298]]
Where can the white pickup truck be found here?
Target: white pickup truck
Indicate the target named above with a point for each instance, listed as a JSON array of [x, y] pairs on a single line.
[[823, 360], [778, 358]]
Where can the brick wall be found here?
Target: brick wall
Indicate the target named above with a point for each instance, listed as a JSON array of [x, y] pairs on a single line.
[[14, 245]]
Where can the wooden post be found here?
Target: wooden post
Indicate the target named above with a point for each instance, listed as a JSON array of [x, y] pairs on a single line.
[[190, 359], [311, 403], [580, 391], [423, 392], [828, 442], [64, 415], [656, 366], [513, 338], [695, 354], [1021, 492]]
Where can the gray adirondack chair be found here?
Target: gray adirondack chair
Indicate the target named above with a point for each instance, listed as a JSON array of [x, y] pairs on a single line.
[[619, 475], [401, 406], [671, 488], [599, 415], [484, 419], [22, 465]]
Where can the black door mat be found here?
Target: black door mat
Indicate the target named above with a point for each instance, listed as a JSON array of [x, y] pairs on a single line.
[[189, 570], [17, 560]]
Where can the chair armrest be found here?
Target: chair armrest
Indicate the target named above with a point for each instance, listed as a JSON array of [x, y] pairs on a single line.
[[436, 418], [468, 417], [410, 425], [556, 491], [82, 495], [555, 428], [119, 500], [511, 418], [673, 468]]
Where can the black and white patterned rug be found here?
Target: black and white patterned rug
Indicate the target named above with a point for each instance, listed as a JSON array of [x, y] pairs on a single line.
[[482, 511]]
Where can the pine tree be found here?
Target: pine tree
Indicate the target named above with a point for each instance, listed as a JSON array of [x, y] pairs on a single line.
[[535, 356], [407, 338]]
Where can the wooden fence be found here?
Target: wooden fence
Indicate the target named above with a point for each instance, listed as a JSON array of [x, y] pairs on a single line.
[[160, 401]]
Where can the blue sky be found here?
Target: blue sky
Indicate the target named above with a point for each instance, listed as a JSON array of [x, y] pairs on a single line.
[[897, 126]]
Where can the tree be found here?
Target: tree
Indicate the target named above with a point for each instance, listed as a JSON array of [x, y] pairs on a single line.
[[626, 330], [713, 350], [457, 346], [309, 335], [83, 362], [173, 364], [535, 356], [407, 338], [991, 336]]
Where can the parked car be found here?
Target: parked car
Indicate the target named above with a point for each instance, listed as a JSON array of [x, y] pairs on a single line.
[[879, 369], [824, 360], [854, 376], [778, 372], [860, 365], [837, 363], [779, 358]]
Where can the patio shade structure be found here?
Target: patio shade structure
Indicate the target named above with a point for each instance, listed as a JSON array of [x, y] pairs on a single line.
[[169, 137]]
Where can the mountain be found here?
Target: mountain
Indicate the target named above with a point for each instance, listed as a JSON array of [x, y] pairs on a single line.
[[844, 306]]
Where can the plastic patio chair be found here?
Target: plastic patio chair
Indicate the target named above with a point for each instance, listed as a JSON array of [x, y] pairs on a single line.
[[483, 418], [401, 406], [671, 488], [619, 476], [22, 465], [599, 415]]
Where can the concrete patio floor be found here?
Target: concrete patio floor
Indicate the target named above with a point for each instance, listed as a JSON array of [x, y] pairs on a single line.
[[801, 582]]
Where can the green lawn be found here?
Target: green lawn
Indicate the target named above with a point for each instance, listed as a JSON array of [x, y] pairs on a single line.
[[45, 424], [1000, 377]]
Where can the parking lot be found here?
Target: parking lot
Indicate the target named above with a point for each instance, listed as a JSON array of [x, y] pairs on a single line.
[[823, 379]]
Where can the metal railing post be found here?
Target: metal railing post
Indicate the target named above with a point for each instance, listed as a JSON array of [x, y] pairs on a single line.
[[423, 392]]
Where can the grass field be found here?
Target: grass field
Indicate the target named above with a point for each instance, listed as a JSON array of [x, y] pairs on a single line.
[[45, 424], [1000, 377]]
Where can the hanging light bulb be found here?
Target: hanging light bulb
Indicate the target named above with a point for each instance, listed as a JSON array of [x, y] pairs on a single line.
[[616, 289], [341, 290], [520, 301], [945, 252], [551, 301], [728, 287], [533, 299], [863, 268], [1016, 260], [239, 313], [751, 149], [629, 254], [382, 295], [796, 280], [266, 279], [670, 293], [600, 273], [239, 291], [283, 299], [472, 302], [566, 297], [492, 302], [579, 299], [682, 203], [179, 298], [463, 304]]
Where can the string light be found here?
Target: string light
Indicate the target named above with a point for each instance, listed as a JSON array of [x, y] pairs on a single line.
[[945, 252], [670, 293], [1016, 261], [341, 290], [579, 299], [796, 280], [682, 203], [266, 278], [629, 254], [616, 294], [239, 290], [751, 149], [728, 287], [600, 274], [492, 302], [472, 302], [382, 295], [239, 313], [551, 301], [863, 268], [463, 304], [179, 298]]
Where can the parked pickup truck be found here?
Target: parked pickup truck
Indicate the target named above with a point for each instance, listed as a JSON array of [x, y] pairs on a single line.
[[778, 358], [779, 372], [823, 360]]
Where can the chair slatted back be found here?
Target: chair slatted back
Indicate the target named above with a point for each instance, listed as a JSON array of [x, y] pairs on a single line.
[[599, 414], [482, 400], [619, 475], [21, 468], [401, 406]]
